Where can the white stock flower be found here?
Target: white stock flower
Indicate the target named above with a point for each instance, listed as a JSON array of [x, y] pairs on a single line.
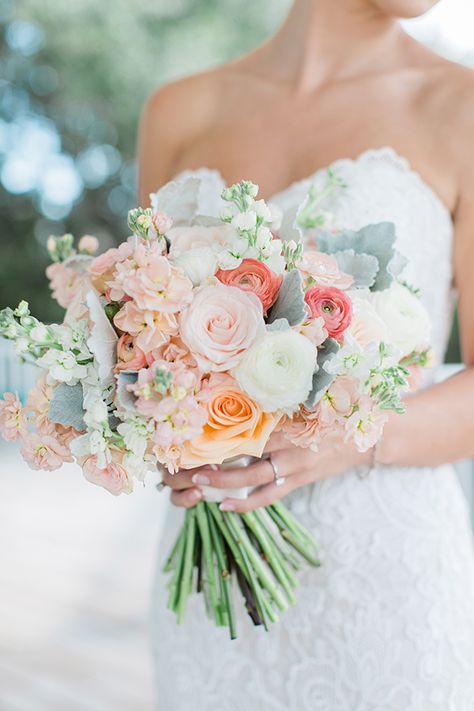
[[405, 317], [245, 220], [135, 432], [39, 333], [62, 366], [277, 371]]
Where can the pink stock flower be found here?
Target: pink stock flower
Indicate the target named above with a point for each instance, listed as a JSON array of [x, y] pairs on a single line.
[[364, 427], [172, 351], [38, 402], [88, 244], [339, 400], [333, 306], [168, 456], [323, 268], [44, 451], [161, 222], [314, 330], [150, 329], [63, 282], [254, 276], [13, 420], [150, 280], [102, 268], [220, 324], [113, 477], [302, 429], [129, 356]]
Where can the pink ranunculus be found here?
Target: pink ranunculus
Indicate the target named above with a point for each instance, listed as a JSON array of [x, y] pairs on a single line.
[[129, 356], [333, 306], [13, 422], [88, 244], [220, 324], [365, 426], [113, 477], [183, 239], [323, 268], [63, 282], [44, 451], [254, 276], [150, 329]]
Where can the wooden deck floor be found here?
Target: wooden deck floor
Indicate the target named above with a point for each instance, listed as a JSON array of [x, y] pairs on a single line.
[[76, 566]]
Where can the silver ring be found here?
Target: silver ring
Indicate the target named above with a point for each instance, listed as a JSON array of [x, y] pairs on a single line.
[[160, 486], [278, 479]]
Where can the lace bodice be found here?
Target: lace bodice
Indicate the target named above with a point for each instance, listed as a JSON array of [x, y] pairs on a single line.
[[387, 622]]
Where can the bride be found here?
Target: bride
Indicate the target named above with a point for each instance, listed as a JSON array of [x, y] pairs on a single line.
[[387, 622]]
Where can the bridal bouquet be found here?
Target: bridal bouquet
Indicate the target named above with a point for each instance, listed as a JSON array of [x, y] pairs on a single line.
[[191, 343]]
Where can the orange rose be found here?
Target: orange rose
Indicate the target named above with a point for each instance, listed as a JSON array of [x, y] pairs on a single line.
[[235, 426]]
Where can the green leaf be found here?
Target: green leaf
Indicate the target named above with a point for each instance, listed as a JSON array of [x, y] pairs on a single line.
[[290, 304], [363, 267], [322, 380]]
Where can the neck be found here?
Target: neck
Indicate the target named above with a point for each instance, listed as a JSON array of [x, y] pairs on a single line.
[[331, 39]]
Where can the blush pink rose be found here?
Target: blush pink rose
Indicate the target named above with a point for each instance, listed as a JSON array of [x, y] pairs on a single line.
[[172, 351], [129, 355], [333, 306], [44, 451], [323, 268], [12, 418], [220, 324], [254, 276], [113, 477]]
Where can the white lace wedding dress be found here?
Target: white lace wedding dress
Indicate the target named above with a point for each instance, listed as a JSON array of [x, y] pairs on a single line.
[[387, 622]]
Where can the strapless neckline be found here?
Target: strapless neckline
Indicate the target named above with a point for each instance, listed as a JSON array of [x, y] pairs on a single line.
[[387, 153]]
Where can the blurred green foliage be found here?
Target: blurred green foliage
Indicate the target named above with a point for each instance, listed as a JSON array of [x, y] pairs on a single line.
[[73, 79]]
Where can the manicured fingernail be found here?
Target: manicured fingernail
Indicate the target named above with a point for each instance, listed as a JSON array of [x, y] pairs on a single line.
[[214, 467], [201, 479], [227, 506], [196, 494]]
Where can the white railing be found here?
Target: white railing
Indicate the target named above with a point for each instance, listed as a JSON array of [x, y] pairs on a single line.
[[19, 378]]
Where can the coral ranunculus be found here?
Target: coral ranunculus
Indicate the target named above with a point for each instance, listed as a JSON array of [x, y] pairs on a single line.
[[334, 307], [253, 275], [236, 425]]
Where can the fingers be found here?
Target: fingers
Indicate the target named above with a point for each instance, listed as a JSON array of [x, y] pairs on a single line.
[[256, 474], [186, 498], [264, 496], [276, 442], [182, 479]]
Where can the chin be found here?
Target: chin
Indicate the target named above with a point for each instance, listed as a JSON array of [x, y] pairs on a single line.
[[405, 8]]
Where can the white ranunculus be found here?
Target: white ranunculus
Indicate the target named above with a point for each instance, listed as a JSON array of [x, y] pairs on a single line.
[[277, 371], [198, 264], [405, 317]]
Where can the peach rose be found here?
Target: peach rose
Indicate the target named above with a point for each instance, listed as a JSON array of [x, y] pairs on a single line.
[[129, 356], [254, 276], [236, 425], [220, 324], [113, 477]]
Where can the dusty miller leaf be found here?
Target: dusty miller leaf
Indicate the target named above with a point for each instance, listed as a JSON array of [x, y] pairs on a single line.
[[321, 378], [290, 304], [124, 399], [66, 406], [363, 267]]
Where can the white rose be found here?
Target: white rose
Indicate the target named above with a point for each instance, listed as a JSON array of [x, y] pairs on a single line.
[[198, 264], [366, 325], [405, 317], [277, 371], [183, 239]]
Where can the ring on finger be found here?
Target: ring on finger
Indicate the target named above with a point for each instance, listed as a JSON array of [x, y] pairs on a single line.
[[278, 479], [161, 485]]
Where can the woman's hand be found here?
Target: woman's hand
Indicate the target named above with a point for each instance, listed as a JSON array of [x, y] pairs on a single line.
[[297, 466]]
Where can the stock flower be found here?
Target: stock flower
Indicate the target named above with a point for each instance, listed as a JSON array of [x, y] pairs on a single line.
[[323, 268], [39, 400], [102, 268], [277, 371], [198, 264], [302, 429], [88, 244], [339, 400], [63, 282], [44, 451], [62, 366], [161, 222], [364, 427], [12, 418], [235, 425], [113, 476], [129, 356], [334, 307], [150, 329], [220, 324], [254, 276], [405, 317], [172, 351]]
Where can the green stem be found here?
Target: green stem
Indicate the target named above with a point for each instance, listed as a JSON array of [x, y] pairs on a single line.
[[175, 583], [207, 548], [188, 565], [171, 560], [274, 532], [225, 576]]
